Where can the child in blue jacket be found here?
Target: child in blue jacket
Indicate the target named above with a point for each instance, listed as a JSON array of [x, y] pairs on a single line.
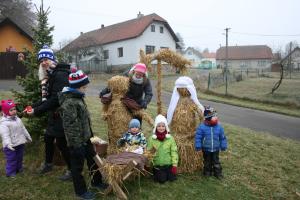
[[210, 138]]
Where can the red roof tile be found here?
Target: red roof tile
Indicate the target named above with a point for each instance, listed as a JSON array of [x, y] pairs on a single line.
[[245, 52], [117, 32], [208, 55]]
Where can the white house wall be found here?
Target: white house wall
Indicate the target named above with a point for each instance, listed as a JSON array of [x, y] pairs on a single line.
[[238, 64], [132, 47]]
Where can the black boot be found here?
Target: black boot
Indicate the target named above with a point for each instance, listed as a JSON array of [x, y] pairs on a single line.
[[45, 168], [218, 171]]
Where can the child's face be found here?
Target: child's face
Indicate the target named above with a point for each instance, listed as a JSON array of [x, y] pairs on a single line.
[[13, 111], [83, 88], [161, 127], [134, 130]]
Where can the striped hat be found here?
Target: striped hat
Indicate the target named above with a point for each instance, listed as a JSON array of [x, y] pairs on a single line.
[[78, 79], [46, 52]]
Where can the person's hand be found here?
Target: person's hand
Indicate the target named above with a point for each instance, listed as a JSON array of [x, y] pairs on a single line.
[[28, 110], [10, 147], [174, 170], [144, 104]]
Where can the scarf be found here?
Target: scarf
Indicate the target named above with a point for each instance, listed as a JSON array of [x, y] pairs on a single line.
[[161, 136]]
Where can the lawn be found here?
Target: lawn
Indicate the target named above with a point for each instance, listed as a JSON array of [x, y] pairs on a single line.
[[256, 166]]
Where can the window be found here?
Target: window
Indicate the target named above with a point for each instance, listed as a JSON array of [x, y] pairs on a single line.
[[190, 53], [105, 54], [161, 29], [152, 28], [261, 63], [164, 47], [150, 49], [120, 52]]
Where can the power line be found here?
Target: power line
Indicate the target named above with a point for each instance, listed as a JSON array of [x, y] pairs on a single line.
[[267, 35]]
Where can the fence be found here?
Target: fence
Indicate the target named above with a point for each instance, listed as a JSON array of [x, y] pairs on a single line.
[[10, 67], [218, 79], [94, 66]]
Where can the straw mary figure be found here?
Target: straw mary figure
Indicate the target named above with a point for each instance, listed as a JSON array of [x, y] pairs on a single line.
[[184, 114], [116, 113]]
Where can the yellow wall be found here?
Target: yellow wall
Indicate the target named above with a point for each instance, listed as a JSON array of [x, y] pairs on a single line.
[[10, 36]]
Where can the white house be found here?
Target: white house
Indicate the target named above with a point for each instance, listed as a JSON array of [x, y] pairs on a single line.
[[119, 44], [293, 59], [243, 57], [193, 55]]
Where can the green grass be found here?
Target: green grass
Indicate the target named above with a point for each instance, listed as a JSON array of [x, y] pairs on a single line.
[[256, 166], [259, 89]]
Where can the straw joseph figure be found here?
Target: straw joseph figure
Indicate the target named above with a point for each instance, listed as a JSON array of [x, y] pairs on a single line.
[[184, 114]]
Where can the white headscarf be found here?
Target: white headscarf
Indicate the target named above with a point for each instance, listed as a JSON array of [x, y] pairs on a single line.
[[182, 82]]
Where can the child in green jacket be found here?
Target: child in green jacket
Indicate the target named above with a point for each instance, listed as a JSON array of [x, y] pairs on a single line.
[[166, 157]]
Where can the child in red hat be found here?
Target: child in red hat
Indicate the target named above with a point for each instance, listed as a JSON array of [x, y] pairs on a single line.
[[14, 136]]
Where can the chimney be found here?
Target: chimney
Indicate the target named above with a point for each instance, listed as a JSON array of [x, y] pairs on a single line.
[[81, 33], [102, 25], [139, 15]]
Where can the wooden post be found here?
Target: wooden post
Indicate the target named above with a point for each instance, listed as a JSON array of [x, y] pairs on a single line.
[[158, 87], [208, 82]]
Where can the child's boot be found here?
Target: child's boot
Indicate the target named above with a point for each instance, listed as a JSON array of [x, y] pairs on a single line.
[[218, 171], [46, 167]]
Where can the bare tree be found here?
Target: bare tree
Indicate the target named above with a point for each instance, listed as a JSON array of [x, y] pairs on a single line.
[[181, 41]]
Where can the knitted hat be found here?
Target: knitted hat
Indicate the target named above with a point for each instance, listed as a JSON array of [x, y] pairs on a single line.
[[6, 105], [160, 119], [209, 112], [78, 79], [140, 67], [134, 123], [46, 52]]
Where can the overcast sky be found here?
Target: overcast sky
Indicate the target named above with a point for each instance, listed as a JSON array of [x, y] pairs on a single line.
[[201, 23]]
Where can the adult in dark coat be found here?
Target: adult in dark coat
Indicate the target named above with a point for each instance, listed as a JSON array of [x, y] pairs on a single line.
[[140, 89], [58, 79]]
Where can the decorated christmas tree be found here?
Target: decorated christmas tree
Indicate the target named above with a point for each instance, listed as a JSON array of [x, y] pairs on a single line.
[[30, 83]]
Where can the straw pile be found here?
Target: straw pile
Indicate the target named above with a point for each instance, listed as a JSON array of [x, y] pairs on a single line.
[[183, 125]]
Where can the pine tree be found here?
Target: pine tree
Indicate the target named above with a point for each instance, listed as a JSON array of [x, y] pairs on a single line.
[[30, 83]]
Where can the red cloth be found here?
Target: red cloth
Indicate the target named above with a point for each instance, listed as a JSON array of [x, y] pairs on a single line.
[[174, 170], [161, 136]]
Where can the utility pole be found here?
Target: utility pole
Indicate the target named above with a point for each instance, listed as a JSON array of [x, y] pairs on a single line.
[[290, 60], [226, 62]]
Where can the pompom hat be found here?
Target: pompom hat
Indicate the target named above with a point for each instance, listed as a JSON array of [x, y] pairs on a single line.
[[46, 52], [6, 105], [78, 79]]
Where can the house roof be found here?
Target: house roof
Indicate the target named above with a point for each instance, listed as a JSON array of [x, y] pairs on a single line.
[[5, 20], [117, 32], [245, 52], [208, 55], [286, 57], [195, 51]]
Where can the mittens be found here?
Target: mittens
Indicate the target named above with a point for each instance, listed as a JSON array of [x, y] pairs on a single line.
[[174, 170]]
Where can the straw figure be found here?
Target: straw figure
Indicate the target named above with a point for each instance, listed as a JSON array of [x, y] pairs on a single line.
[[184, 115], [116, 113], [174, 59]]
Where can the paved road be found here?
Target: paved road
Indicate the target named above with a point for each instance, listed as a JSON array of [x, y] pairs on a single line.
[[276, 124]]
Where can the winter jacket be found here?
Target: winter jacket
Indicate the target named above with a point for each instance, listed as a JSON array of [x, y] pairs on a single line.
[[13, 131], [210, 138], [137, 139], [75, 117], [58, 79], [136, 92], [166, 151]]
